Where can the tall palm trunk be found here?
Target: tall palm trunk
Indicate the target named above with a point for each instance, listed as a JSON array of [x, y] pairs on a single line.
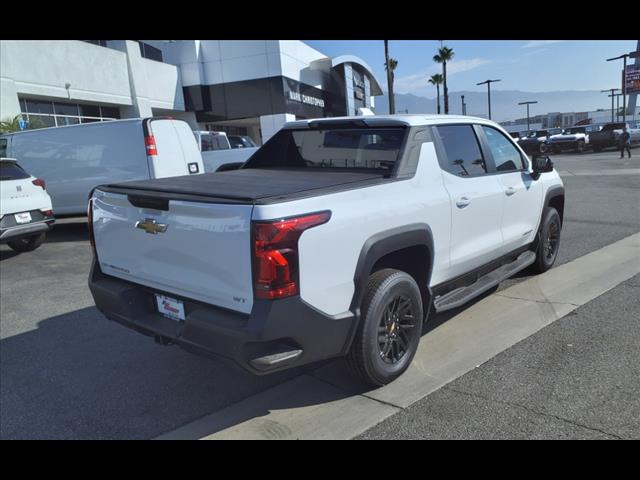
[[438, 90], [446, 91], [392, 103]]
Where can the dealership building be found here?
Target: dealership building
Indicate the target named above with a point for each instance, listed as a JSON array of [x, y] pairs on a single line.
[[243, 87]]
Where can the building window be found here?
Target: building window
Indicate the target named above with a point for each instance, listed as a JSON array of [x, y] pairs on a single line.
[[152, 53], [43, 113], [100, 43]]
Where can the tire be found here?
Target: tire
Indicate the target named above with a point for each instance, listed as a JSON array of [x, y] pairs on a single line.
[[544, 148], [580, 146], [390, 327], [27, 244], [549, 243]]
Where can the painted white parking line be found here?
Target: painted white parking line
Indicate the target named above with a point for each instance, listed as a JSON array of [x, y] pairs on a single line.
[[325, 405]]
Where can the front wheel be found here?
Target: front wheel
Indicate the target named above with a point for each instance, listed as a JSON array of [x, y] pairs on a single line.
[[549, 242], [580, 146], [544, 148], [27, 244], [390, 327]]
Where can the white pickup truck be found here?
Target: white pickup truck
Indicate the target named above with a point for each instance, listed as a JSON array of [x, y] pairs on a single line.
[[338, 237], [217, 152]]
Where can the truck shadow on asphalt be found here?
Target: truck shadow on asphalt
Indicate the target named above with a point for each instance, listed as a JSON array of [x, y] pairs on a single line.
[[72, 230], [80, 376]]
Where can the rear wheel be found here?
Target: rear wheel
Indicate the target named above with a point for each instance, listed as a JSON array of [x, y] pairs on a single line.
[[544, 148], [549, 243], [27, 244], [390, 328]]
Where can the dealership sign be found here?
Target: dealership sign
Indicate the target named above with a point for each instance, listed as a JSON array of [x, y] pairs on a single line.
[[632, 79], [306, 99]]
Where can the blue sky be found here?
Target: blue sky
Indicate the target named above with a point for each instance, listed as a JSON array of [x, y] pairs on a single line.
[[526, 65]]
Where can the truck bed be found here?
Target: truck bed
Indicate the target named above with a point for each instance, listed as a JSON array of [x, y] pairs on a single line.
[[250, 186]]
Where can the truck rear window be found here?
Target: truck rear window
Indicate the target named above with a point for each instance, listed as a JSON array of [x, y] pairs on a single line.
[[343, 148], [12, 171]]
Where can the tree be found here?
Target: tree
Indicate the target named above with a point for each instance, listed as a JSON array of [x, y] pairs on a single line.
[[444, 55], [436, 80], [390, 64], [10, 124]]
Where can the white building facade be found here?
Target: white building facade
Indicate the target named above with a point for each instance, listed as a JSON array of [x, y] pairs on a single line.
[[244, 87]]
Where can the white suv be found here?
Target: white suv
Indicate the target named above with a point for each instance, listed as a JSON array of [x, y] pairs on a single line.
[[25, 210]]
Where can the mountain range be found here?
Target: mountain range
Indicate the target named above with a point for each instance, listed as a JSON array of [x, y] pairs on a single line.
[[504, 103]]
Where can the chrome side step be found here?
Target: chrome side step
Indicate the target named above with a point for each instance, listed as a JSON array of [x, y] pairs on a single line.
[[462, 295]]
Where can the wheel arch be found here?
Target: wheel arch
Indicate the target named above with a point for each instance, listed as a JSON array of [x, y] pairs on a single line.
[[392, 249]]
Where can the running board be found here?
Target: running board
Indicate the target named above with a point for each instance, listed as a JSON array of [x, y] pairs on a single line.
[[462, 295]]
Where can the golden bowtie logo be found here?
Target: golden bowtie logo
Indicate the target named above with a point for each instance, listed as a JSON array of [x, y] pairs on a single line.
[[149, 225]]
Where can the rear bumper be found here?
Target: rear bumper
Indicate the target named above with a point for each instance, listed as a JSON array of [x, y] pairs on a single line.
[[19, 231], [276, 335]]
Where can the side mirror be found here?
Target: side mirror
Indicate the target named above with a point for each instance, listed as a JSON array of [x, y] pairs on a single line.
[[540, 164]]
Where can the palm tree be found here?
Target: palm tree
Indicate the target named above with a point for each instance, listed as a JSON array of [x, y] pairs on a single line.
[[444, 55], [436, 80], [390, 64], [10, 124]]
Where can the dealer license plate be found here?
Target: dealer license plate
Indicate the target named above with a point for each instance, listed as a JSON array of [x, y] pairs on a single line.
[[170, 307], [23, 217]]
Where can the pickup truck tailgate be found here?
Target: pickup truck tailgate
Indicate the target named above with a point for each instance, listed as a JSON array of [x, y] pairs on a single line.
[[203, 254]]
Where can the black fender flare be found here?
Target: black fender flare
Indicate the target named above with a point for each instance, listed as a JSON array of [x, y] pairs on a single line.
[[554, 191], [381, 244]]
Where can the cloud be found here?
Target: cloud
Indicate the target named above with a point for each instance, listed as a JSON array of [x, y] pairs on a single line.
[[418, 81], [539, 43]]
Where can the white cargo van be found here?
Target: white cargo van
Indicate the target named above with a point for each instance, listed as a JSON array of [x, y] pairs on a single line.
[[75, 159]]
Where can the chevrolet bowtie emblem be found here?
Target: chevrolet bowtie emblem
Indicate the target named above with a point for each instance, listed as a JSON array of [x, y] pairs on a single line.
[[149, 225]]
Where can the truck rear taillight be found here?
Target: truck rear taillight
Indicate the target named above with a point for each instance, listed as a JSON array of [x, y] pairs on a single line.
[[47, 213], [38, 182], [275, 254], [150, 144]]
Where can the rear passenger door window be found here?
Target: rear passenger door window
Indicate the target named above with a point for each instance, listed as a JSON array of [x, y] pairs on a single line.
[[462, 149], [506, 156]]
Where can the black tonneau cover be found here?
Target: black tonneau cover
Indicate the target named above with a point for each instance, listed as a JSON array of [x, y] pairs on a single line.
[[251, 185]]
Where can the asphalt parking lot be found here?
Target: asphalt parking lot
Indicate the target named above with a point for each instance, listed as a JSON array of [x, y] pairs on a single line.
[[67, 372]]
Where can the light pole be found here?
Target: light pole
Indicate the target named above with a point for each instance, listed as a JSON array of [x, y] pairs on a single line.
[[613, 91], [488, 82], [527, 104], [624, 86], [464, 107]]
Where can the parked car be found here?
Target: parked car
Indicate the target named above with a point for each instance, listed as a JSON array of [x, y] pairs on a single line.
[[238, 141], [337, 237], [74, 159], [608, 135], [537, 141], [572, 138], [25, 210]]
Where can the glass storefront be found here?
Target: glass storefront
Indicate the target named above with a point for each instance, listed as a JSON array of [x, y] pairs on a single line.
[[44, 113]]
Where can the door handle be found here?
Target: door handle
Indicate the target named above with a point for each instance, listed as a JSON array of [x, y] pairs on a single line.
[[462, 202], [510, 191]]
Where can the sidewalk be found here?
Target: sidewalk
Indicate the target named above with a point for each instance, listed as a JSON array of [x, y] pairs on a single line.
[[577, 378]]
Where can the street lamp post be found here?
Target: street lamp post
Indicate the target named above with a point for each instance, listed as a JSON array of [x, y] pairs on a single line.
[[464, 112], [613, 91], [488, 82], [527, 104]]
